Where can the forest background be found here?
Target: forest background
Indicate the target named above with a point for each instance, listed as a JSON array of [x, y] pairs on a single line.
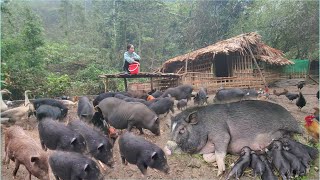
[[59, 47]]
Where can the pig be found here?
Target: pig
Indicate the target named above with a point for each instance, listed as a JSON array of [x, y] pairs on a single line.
[[125, 115], [156, 94], [222, 128], [241, 164], [228, 95], [162, 106], [179, 92], [182, 104], [47, 111], [70, 165], [102, 96], [298, 150], [137, 150], [120, 96], [130, 99], [52, 102], [268, 173], [98, 145], [279, 161], [201, 97], [250, 94], [22, 149], [85, 109], [256, 164], [55, 135], [296, 167]]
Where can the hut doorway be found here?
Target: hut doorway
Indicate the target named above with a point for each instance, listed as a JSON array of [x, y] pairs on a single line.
[[221, 65]]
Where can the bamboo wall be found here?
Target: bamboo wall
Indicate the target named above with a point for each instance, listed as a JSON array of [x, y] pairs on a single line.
[[206, 80], [242, 74]]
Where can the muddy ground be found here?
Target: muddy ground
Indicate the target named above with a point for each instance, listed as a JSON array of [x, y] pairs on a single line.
[[183, 166]]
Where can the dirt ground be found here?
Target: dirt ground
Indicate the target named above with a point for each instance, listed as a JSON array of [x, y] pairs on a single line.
[[183, 166]]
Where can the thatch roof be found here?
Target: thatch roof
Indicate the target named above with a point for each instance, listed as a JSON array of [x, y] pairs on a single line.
[[241, 44]]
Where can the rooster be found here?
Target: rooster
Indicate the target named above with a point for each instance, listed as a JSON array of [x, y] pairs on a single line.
[[316, 113], [312, 126]]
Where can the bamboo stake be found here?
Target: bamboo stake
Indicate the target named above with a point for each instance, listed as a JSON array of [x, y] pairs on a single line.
[[255, 62]]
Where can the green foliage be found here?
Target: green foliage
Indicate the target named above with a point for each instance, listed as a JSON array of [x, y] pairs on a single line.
[[56, 85], [83, 39]]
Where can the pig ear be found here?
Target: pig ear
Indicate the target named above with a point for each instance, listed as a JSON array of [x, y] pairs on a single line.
[[100, 146], [34, 158], [86, 167], [192, 118], [154, 155], [73, 140]]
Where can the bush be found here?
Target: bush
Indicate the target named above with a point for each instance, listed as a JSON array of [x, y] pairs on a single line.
[[57, 85]]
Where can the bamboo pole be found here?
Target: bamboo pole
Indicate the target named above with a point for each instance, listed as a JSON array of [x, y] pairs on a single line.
[[255, 62]]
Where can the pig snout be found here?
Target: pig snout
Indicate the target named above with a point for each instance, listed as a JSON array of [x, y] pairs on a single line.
[[166, 169], [111, 163], [171, 148]]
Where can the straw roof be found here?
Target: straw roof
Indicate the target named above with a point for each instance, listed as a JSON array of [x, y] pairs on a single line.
[[241, 44]]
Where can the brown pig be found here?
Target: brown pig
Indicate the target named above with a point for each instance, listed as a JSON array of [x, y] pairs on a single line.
[[22, 149]]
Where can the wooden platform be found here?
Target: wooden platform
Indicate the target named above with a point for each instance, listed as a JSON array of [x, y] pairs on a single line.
[[105, 77]]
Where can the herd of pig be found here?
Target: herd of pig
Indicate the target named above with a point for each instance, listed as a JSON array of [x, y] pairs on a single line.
[[235, 120]]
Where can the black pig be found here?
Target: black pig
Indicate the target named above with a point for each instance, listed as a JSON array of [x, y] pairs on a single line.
[[47, 111], [182, 104], [52, 102], [268, 173], [179, 92], [144, 154], [241, 164], [201, 97], [85, 109], [70, 165], [55, 135], [98, 145], [256, 164], [162, 106], [222, 128], [126, 115], [279, 161]]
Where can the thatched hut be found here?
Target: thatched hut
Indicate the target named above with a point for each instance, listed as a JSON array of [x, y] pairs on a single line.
[[229, 63]]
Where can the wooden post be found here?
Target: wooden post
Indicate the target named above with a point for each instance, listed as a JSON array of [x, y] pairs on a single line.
[[151, 83], [105, 82], [125, 84], [255, 62]]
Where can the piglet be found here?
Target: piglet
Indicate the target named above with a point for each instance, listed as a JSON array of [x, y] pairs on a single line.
[[268, 173], [299, 150], [182, 104], [241, 164], [22, 149], [256, 164], [144, 154], [279, 161]]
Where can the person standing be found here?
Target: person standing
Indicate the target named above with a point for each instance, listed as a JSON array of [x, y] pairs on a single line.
[[130, 57]]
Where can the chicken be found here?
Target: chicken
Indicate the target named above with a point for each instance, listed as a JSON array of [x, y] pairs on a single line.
[[301, 101], [279, 94], [312, 126], [291, 96], [300, 85]]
